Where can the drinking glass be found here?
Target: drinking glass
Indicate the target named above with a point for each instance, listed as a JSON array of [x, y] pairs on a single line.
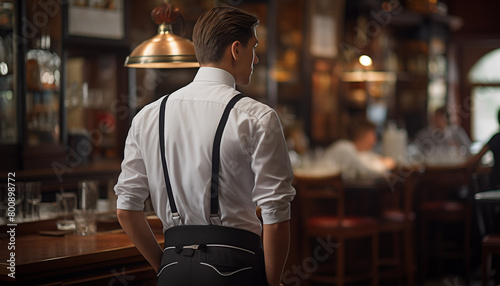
[[88, 193], [10, 202], [33, 198], [19, 191], [85, 213], [85, 222], [4, 201], [66, 203]]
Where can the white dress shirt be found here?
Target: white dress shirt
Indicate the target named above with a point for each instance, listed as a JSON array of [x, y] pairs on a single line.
[[353, 163], [434, 141], [255, 169]]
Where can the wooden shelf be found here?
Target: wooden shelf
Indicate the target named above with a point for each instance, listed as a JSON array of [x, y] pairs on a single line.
[[66, 177], [409, 18]]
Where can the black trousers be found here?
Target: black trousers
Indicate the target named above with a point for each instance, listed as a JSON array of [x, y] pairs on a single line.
[[212, 255]]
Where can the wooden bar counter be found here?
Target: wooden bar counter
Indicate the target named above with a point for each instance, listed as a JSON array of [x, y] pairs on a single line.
[[106, 258]]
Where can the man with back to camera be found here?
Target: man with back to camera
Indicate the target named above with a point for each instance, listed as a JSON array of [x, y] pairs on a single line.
[[254, 166]]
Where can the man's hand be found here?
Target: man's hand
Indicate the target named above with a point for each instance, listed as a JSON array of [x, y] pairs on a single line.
[[388, 162]]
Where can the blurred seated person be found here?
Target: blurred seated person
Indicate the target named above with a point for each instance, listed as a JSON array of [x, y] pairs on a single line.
[[355, 156], [493, 145], [442, 139]]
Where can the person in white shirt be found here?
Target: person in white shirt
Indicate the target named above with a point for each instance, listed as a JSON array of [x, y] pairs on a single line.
[[255, 169], [440, 138], [355, 157]]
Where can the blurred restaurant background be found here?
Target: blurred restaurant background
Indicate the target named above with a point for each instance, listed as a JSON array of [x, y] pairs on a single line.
[[67, 101]]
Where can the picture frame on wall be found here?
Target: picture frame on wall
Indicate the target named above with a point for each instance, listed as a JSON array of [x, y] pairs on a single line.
[[103, 19], [325, 26]]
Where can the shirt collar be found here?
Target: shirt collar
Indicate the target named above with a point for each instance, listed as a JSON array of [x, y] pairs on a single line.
[[215, 75]]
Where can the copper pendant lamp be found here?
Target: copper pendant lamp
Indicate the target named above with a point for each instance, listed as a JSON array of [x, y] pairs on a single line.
[[165, 50]]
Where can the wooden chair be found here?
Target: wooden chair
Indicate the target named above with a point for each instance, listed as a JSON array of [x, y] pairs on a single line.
[[487, 207], [490, 245], [322, 217], [438, 207], [398, 222]]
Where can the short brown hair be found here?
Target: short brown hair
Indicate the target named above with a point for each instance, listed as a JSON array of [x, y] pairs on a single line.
[[218, 28], [442, 111], [358, 127]]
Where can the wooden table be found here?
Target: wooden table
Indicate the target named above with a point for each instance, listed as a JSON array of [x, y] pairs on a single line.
[[367, 196], [488, 196], [101, 259], [363, 196]]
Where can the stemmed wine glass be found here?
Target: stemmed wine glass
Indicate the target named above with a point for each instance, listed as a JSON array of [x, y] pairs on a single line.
[[33, 198], [19, 190], [4, 200], [9, 213]]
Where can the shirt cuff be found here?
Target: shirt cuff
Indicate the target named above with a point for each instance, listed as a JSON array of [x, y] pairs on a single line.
[[130, 203], [275, 214]]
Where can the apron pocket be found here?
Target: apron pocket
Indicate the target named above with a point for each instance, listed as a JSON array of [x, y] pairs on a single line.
[[165, 267], [227, 260], [169, 259], [224, 270]]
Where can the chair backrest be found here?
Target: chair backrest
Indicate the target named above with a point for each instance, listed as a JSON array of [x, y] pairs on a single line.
[[440, 182], [403, 189], [320, 196]]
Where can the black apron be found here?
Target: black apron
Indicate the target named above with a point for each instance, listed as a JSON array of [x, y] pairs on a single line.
[[208, 254]]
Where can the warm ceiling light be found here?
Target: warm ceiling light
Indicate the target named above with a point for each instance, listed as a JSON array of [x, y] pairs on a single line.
[[365, 60], [165, 50]]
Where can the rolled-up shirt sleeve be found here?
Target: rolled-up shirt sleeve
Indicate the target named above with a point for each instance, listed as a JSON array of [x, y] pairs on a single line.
[[273, 189], [132, 186]]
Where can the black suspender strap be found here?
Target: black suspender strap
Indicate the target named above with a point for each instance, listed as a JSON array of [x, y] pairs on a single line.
[[214, 186], [171, 201]]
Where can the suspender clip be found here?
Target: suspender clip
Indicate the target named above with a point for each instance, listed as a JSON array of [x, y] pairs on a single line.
[[215, 219], [176, 218]]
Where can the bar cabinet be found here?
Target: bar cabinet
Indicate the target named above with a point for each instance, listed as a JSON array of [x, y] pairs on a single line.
[[64, 100]]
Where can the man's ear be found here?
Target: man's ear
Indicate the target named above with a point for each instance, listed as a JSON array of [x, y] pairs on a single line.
[[236, 50]]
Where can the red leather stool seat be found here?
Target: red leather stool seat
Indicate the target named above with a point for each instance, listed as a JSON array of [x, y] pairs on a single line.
[[444, 210], [351, 226], [396, 215]]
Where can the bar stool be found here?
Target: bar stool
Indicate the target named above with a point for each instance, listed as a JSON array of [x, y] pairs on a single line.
[[398, 221], [322, 220], [487, 209], [489, 246], [436, 207]]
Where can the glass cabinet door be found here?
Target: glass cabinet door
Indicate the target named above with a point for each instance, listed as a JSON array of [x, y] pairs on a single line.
[[43, 74], [8, 94]]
